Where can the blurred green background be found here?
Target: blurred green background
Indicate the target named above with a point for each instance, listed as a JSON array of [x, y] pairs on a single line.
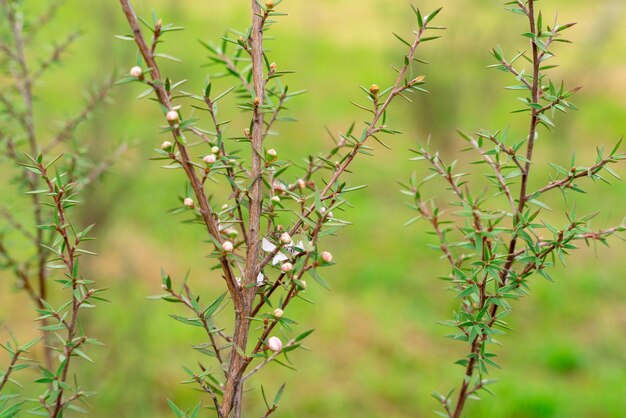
[[377, 351]]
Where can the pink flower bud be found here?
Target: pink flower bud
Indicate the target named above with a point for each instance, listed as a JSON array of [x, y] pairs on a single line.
[[136, 71], [278, 313], [189, 202], [172, 116], [327, 257], [301, 184], [228, 246], [166, 145], [210, 159], [285, 238], [287, 267], [275, 344]]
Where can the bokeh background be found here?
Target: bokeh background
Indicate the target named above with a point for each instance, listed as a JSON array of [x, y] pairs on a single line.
[[377, 351]]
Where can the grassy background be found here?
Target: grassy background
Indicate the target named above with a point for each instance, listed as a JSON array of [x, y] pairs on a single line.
[[377, 351]]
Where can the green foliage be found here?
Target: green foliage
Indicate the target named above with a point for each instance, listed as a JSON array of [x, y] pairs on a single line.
[[494, 248]]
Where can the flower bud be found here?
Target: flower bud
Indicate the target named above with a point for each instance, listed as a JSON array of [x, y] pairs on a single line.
[[330, 214], [166, 146], [303, 284], [246, 132], [228, 246], [273, 67], [374, 89], [172, 116], [278, 313], [215, 149], [287, 267], [231, 232], [275, 344], [285, 238], [189, 202], [276, 199], [136, 71], [272, 152], [257, 101], [327, 257], [301, 183], [210, 159], [269, 4]]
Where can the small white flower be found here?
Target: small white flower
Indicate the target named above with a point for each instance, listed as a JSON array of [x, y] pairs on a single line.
[[260, 279], [327, 257], [166, 145], [278, 313], [136, 71], [189, 202], [285, 238], [268, 247], [287, 267], [275, 344], [210, 159], [172, 116], [228, 246]]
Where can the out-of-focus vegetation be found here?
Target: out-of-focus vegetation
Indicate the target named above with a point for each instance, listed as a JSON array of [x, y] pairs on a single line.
[[377, 351]]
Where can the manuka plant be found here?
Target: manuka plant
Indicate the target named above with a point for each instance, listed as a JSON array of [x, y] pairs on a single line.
[[266, 235], [496, 235], [41, 247]]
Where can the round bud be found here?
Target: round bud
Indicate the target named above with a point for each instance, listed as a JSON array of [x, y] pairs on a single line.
[[327, 257], [215, 149], [285, 238], [228, 246], [166, 146], [273, 67], [276, 199], [172, 116], [330, 214], [231, 232], [246, 132], [301, 183], [278, 313], [275, 344], [272, 152], [287, 267], [188, 202], [374, 89], [303, 284], [269, 4], [257, 101], [136, 71], [210, 159]]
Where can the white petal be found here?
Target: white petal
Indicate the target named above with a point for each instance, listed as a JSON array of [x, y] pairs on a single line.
[[267, 246], [260, 279], [279, 258]]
